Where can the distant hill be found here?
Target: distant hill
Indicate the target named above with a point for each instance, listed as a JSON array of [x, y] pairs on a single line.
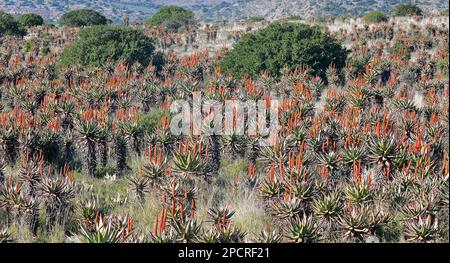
[[213, 10]]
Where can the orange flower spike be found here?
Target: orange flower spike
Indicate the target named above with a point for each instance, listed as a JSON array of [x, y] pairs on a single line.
[[182, 211], [173, 189], [271, 173], [281, 168], [155, 226], [160, 157], [298, 162], [186, 146], [194, 150], [267, 102], [325, 174], [149, 152], [193, 209], [172, 211], [328, 143], [179, 147], [377, 128], [155, 153], [10, 180], [161, 220], [164, 218], [17, 187], [445, 166], [347, 141], [408, 167], [358, 172], [224, 219], [130, 225], [291, 179], [369, 179], [291, 159], [96, 217]]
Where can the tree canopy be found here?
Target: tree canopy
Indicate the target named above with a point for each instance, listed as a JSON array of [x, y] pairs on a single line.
[[99, 44], [407, 10], [83, 17], [375, 17], [8, 26], [172, 18], [256, 19], [29, 20], [279, 45]]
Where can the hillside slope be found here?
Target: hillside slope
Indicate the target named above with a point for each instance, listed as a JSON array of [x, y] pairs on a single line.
[[212, 10]]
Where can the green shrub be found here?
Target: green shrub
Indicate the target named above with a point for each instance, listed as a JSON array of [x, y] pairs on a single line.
[[407, 10], [30, 20], [358, 64], [172, 18], [27, 46], [279, 45], [8, 26], [101, 172], [83, 17], [45, 51], [149, 120], [402, 49], [99, 44], [256, 19], [158, 60], [293, 18], [375, 17]]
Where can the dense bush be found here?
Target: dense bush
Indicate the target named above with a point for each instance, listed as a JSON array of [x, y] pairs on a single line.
[[148, 121], [83, 17], [407, 10], [172, 18], [375, 17], [358, 64], [256, 19], [99, 44], [402, 49], [8, 26], [294, 17], [29, 20], [282, 45]]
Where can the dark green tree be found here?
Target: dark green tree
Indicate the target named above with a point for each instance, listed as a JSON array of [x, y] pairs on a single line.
[[280, 45], [256, 19], [83, 17], [293, 17], [375, 17], [99, 44], [30, 20], [172, 18], [8, 26], [407, 10]]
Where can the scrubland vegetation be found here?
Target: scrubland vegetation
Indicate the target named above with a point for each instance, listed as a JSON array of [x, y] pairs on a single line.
[[87, 154]]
